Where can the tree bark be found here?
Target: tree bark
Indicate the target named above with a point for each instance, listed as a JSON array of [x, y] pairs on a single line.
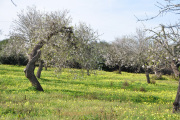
[[29, 70], [88, 69], [119, 69], [119, 64], [176, 104], [88, 72], [38, 75], [45, 65], [157, 73], [147, 76], [175, 69], [35, 55]]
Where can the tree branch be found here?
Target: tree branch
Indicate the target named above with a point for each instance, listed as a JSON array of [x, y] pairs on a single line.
[[35, 58], [169, 7], [13, 3]]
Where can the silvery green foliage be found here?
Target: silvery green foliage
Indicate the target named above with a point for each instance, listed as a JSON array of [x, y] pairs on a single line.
[[168, 41], [57, 53], [141, 49], [158, 56], [33, 26], [129, 51], [12, 48], [148, 53], [119, 52], [87, 52], [82, 48]]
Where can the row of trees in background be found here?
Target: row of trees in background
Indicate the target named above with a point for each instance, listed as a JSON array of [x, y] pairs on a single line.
[[51, 39], [137, 52]]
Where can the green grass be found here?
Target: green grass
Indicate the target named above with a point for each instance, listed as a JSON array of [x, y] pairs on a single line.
[[73, 95]]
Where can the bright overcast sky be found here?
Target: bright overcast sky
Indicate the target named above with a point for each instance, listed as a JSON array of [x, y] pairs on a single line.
[[111, 18]]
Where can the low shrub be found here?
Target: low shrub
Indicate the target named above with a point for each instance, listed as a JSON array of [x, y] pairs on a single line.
[[142, 89], [125, 84], [153, 82], [160, 77]]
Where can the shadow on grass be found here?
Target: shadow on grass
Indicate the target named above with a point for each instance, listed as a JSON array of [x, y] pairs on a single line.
[[158, 78], [111, 85], [31, 88], [137, 98], [14, 70], [114, 97], [45, 80]]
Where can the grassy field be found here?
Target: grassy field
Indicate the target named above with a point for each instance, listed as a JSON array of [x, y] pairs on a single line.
[[73, 95]]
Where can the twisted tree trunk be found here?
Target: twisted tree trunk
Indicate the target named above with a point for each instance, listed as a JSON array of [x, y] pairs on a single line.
[[36, 52], [29, 70], [119, 64], [174, 68], [88, 73], [176, 104], [38, 75], [88, 69], [147, 76]]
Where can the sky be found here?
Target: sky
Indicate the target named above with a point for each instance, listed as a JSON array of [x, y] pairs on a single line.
[[111, 18]]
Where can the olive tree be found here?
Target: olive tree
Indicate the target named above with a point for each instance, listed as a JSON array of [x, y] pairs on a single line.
[[87, 53], [141, 55], [169, 39], [119, 52], [158, 58], [34, 29]]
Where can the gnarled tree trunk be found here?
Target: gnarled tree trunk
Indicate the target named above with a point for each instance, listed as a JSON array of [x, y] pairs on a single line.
[[29, 70], [35, 55], [119, 64], [88, 73], [88, 69], [174, 68], [38, 75], [176, 104]]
